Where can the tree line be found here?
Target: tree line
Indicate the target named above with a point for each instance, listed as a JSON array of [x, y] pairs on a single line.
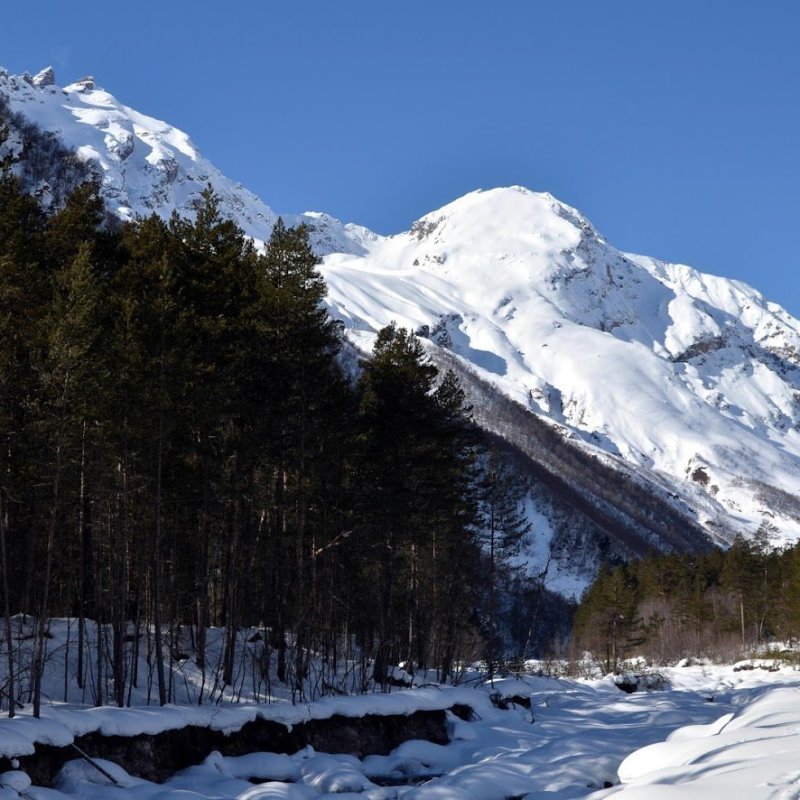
[[720, 604], [181, 449]]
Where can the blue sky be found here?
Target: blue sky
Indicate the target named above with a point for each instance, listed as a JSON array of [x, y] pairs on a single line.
[[674, 126]]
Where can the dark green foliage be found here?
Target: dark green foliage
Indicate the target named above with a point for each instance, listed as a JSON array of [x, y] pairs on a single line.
[[416, 507], [504, 525], [608, 613], [719, 604], [180, 449]]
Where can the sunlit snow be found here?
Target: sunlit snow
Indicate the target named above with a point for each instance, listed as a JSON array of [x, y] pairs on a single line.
[[672, 369], [715, 732]]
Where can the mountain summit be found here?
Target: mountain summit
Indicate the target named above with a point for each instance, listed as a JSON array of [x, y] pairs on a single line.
[[654, 378]]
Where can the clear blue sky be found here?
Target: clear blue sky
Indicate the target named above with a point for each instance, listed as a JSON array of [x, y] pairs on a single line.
[[675, 126]]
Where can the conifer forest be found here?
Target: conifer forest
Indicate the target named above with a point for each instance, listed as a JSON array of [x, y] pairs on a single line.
[[192, 449], [718, 605], [188, 444]]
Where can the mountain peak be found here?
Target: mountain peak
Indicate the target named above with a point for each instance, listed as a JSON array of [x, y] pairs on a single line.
[[519, 202], [144, 165], [659, 365], [512, 220], [85, 84], [45, 77]]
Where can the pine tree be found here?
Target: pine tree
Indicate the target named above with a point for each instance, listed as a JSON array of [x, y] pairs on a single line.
[[504, 526], [66, 391], [25, 292], [417, 512], [607, 620], [739, 577], [303, 392]]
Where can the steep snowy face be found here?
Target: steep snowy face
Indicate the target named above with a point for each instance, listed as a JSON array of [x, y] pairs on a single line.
[[688, 376], [144, 165]]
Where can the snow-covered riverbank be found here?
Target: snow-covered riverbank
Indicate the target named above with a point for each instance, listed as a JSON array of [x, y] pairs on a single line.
[[714, 731]]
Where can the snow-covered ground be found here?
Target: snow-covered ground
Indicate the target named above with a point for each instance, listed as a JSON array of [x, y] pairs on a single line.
[[716, 732]]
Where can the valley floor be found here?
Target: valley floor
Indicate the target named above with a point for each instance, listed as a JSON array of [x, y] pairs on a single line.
[[717, 732]]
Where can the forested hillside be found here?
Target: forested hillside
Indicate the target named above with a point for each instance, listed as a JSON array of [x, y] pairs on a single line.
[[181, 449], [567, 348], [721, 605]]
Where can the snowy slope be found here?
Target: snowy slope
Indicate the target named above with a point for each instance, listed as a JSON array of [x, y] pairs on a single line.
[[684, 382], [146, 165], [683, 375]]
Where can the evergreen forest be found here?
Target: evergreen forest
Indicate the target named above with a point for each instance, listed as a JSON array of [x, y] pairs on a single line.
[[187, 444], [720, 605]]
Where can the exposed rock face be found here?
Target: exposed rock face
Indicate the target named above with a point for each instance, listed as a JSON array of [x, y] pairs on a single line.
[[47, 77]]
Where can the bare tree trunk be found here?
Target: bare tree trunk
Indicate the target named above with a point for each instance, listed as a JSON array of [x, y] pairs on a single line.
[[133, 683], [174, 627], [202, 588], [741, 613], [159, 644], [85, 566], [232, 582], [38, 661], [99, 692], [7, 608], [120, 588]]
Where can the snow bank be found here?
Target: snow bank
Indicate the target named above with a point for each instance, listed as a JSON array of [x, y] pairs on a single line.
[[59, 725], [744, 744], [751, 753]]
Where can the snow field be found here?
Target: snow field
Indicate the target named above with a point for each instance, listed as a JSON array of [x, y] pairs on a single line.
[[604, 342]]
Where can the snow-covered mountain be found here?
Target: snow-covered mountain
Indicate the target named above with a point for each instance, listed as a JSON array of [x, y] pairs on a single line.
[[656, 406], [145, 165], [676, 372]]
